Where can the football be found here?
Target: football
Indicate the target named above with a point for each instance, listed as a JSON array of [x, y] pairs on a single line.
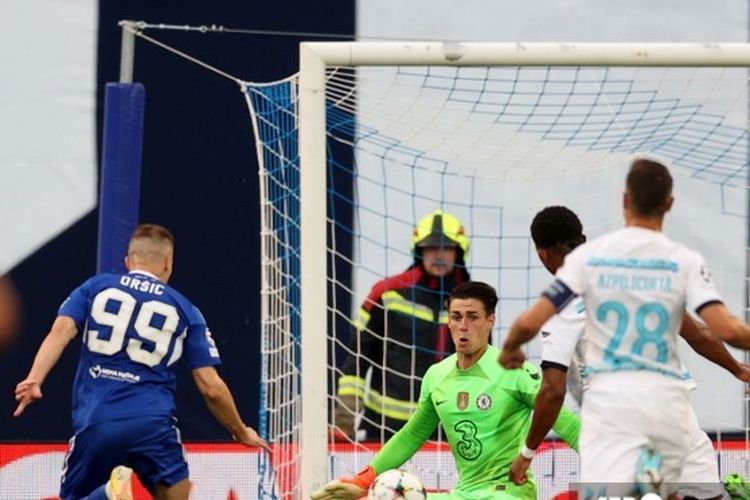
[[396, 484]]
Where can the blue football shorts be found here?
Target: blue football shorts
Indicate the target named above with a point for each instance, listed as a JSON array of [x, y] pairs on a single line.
[[151, 446]]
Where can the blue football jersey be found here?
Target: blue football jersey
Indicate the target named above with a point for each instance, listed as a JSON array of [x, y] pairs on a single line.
[[135, 328]]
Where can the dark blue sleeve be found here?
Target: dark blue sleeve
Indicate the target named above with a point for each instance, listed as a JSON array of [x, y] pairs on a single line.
[[559, 294], [76, 306], [200, 348]]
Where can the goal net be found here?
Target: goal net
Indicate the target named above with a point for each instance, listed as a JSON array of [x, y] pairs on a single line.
[[382, 134]]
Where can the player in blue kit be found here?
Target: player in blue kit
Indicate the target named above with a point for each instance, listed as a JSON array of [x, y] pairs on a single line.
[[135, 328]]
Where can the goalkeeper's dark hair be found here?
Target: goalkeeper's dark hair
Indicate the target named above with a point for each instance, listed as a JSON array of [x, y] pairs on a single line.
[[482, 292], [557, 227], [650, 187]]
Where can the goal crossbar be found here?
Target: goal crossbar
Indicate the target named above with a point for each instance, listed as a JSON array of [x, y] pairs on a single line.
[[527, 54]]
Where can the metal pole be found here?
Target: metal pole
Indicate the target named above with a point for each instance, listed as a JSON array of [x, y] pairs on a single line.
[[312, 153], [127, 51]]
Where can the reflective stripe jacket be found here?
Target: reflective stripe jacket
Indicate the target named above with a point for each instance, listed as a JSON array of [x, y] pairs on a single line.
[[402, 326]]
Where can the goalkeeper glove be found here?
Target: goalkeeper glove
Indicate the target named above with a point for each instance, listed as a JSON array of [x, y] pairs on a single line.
[[736, 486], [347, 488]]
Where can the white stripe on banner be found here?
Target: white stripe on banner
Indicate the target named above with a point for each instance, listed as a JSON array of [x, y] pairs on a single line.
[[47, 124]]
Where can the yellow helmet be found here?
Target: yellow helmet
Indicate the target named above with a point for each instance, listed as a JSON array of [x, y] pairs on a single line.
[[440, 229]]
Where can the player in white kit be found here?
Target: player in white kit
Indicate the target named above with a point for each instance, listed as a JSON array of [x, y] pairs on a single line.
[[556, 231], [636, 284]]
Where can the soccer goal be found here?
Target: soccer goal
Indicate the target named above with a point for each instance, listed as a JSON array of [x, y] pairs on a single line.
[[369, 137]]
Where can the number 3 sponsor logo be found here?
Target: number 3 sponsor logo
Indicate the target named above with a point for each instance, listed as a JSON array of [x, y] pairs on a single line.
[[469, 447]]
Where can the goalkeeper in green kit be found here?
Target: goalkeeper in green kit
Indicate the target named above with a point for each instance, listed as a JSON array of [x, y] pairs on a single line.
[[484, 409]]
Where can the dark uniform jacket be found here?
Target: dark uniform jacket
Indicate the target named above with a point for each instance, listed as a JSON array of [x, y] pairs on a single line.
[[401, 329]]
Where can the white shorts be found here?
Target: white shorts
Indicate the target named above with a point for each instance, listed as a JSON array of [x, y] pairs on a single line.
[[700, 474], [626, 412]]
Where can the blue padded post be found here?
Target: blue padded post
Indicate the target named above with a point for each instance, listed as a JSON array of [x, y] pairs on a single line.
[[120, 179]]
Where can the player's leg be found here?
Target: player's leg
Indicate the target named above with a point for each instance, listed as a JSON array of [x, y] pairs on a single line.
[[700, 474], [117, 488], [157, 456], [669, 431], [608, 461], [85, 468], [178, 491], [619, 423], [609, 447]]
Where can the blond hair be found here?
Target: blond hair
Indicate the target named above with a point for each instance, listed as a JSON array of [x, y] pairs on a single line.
[[149, 242]]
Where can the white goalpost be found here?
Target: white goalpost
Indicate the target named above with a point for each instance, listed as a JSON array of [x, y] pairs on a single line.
[[492, 132]]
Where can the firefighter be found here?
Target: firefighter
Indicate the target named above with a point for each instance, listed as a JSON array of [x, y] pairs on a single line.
[[401, 329]]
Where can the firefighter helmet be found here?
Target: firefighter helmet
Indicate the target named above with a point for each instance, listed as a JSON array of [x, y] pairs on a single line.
[[440, 229]]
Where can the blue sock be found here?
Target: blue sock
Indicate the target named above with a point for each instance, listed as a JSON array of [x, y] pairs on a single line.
[[97, 494]]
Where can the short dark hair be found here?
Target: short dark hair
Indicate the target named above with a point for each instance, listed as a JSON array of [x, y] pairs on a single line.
[[650, 187], [154, 232], [557, 226], [476, 290]]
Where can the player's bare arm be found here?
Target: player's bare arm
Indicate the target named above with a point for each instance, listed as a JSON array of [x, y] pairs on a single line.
[[708, 345], [547, 407], [524, 328], [728, 328], [30, 389], [221, 403]]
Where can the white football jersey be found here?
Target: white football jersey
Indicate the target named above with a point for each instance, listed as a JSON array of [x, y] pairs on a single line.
[[636, 284], [563, 344]]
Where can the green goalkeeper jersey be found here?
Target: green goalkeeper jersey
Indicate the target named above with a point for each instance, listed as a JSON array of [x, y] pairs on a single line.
[[486, 413]]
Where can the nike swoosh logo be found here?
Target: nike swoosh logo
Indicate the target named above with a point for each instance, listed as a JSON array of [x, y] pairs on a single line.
[[438, 403]]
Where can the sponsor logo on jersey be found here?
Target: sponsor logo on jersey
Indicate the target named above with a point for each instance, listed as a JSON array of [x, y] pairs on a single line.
[[212, 350], [462, 400], [545, 334], [484, 401], [97, 371], [468, 446]]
